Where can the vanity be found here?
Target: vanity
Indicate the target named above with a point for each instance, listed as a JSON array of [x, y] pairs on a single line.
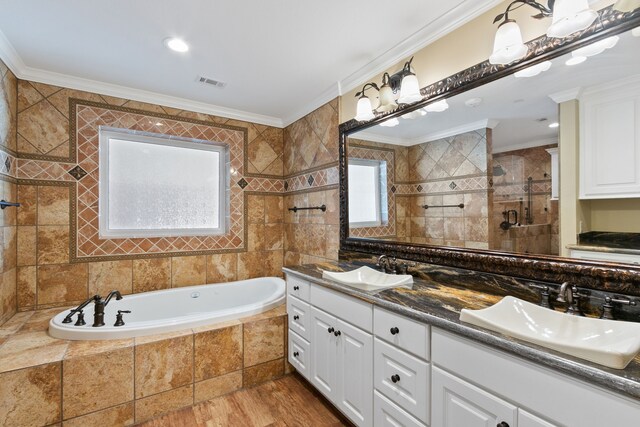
[[401, 357]]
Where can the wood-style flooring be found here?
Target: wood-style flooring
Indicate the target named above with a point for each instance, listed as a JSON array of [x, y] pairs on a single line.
[[286, 402]]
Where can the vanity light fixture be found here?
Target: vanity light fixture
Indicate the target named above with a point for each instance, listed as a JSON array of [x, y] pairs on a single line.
[[437, 107], [390, 123], [534, 70], [176, 44], [575, 60], [568, 17], [409, 88], [364, 110], [596, 48]]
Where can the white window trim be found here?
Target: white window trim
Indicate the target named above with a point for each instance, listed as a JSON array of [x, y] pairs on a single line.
[[107, 133], [378, 221]]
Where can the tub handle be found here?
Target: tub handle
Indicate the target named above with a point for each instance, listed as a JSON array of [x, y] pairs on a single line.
[[119, 321]]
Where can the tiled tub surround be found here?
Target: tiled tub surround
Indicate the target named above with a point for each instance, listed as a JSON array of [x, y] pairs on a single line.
[[44, 381], [438, 295]]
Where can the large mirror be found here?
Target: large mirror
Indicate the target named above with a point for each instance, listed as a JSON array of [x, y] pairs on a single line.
[[481, 170]]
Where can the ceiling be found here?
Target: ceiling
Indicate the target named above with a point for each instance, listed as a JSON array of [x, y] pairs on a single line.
[[280, 59], [515, 107]]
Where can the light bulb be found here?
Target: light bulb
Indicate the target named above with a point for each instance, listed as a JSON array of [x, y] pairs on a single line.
[[176, 44], [570, 16], [534, 70], [508, 45]]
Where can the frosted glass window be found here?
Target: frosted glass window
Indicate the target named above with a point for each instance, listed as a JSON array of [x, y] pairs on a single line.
[[154, 185], [365, 201]]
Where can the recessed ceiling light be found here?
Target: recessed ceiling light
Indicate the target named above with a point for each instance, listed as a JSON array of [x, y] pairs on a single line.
[[576, 60], [176, 44], [554, 125], [473, 102]]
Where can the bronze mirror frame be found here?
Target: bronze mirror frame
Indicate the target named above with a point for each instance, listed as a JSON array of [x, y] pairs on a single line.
[[615, 277]]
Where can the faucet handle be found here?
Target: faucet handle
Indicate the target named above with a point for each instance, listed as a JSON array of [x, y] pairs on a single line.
[[119, 321], [607, 307], [403, 267], [545, 295]]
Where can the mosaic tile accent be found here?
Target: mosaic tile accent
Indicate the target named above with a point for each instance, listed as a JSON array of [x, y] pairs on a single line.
[[43, 170], [242, 183], [471, 183], [77, 172], [315, 180], [89, 244], [8, 164], [310, 180]]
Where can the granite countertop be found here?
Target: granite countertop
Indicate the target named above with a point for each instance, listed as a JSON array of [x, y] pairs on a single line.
[[608, 241], [439, 293]]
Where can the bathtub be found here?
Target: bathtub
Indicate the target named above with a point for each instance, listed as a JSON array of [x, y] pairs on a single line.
[[175, 309]]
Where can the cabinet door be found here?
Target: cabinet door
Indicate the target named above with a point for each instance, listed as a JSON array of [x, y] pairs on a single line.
[[526, 419], [457, 403], [323, 352], [354, 379]]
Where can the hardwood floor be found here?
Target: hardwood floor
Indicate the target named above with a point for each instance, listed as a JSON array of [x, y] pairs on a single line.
[[285, 402]]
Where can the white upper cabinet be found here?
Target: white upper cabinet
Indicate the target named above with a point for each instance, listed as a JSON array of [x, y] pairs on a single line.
[[610, 141]]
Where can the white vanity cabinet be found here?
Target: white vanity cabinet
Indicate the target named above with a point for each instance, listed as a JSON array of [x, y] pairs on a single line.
[[331, 344], [610, 141]]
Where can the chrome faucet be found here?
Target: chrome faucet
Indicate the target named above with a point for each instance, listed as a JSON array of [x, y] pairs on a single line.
[[383, 263], [569, 294]]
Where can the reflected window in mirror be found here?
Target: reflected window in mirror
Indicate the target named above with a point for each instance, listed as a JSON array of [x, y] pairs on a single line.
[[367, 190]]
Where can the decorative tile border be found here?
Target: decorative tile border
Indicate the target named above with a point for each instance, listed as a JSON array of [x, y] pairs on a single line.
[[446, 186], [8, 163], [313, 180]]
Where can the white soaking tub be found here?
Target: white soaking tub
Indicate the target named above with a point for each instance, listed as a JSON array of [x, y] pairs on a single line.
[[175, 309]]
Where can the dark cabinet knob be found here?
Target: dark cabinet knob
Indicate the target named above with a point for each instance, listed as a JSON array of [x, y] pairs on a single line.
[[296, 354], [394, 331], [296, 317], [502, 424], [395, 378], [296, 288], [330, 329], [337, 333]]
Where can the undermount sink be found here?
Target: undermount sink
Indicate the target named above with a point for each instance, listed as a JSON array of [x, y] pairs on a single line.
[[606, 342], [368, 279]]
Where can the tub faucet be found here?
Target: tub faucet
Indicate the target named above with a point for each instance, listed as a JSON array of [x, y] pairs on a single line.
[[100, 304], [78, 309]]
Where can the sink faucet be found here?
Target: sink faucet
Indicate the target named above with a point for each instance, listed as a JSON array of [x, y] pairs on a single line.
[[383, 263], [569, 295], [100, 304]]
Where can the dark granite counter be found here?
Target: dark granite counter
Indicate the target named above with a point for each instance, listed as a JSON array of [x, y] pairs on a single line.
[[439, 293], [610, 239]]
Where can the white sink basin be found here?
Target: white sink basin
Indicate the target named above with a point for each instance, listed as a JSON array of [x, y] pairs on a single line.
[[368, 279], [610, 343]]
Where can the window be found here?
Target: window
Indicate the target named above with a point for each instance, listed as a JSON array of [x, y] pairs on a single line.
[[155, 185], [367, 193]]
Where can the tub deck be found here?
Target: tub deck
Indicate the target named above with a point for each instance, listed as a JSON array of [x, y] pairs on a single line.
[[143, 376]]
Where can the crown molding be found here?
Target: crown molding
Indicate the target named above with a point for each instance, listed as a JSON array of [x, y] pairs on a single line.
[[566, 95], [11, 58], [382, 139], [443, 25], [524, 145]]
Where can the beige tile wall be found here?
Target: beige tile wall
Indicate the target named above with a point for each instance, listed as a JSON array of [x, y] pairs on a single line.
[[45, 275], [8, 190], [311, 143]]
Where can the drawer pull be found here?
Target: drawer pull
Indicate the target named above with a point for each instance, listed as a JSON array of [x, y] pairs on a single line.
[[337, 333], [296, 288], [296, 354], [330, 329], [296, 317], [395, 378], [502, 424], [394, 331]]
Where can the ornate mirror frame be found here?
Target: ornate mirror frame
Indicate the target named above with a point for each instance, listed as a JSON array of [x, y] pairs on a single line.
[[594, 274]]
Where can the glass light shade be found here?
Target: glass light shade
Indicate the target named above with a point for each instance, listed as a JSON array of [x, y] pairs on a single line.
[[437, 107], [570, 16], [409, 90], [508, 45], [363, 110], [415, 114], [534, 71], [390, 123], [596, 48], [387, 102], [626, 5]]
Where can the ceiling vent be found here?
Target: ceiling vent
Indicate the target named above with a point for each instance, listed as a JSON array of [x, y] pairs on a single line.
[[211, 82]]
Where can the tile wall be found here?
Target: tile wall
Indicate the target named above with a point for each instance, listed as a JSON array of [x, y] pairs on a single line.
[[311, 179], [49, 270], [8, 191]]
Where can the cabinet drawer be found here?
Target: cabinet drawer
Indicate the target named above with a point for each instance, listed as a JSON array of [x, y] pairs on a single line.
[[298, 288], [402, 332], [402, 378], [299, 353], [298, 312], [388, 414], [354, 311]]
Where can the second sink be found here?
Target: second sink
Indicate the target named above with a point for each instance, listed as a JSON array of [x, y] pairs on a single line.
[[368, 279]]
